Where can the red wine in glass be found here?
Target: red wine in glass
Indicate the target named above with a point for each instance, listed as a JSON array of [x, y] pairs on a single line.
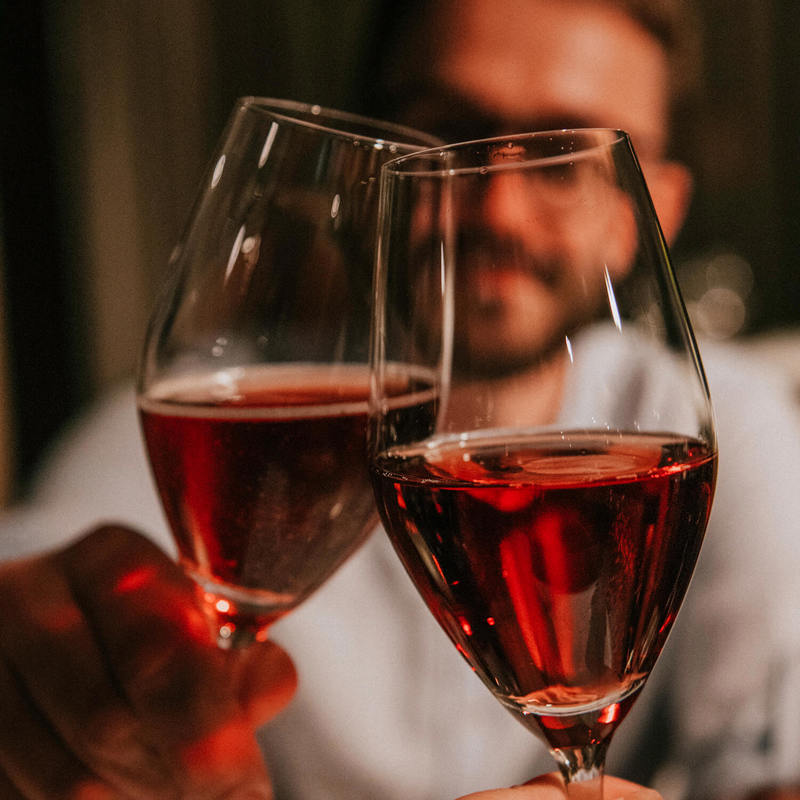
[[555, 564], [252, 382], [261, 472], [552, 516]]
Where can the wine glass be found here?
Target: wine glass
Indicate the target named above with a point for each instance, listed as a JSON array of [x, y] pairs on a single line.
[[253, 382], [541, 439]]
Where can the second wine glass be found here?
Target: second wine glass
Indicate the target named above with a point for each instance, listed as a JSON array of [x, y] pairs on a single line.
[[252, 389], [542, 442]]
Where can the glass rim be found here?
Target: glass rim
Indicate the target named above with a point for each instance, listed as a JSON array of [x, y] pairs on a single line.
[[335, 122], [404, 165]]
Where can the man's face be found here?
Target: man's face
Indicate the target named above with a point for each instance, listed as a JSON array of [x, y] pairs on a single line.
[[523, 65]]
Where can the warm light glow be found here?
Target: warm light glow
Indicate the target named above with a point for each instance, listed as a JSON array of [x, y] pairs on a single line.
[[222, 751], [226, 631], [223, 606], [609, 714], [135, 579]]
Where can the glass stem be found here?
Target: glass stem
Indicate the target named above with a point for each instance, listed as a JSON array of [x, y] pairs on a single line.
[[582, 770]]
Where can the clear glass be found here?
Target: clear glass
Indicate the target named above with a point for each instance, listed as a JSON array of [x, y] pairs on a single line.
[[253, 381], [541, 439]]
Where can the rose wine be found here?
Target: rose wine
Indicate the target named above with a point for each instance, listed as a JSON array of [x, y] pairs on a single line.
[[556, 564], [262, 475]]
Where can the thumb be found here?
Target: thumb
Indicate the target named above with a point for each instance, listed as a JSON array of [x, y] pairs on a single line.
[[551, 787], [267, 681]]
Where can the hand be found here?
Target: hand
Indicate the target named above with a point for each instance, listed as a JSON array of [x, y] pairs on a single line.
[[551, 787], [111, 687]]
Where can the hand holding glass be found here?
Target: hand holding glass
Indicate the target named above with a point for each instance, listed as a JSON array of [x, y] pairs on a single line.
[[541, 437], [252, 390]]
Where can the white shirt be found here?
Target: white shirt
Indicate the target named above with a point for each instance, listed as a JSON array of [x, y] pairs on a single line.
[[386, 707]]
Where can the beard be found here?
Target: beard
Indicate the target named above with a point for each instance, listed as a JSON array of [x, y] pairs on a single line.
[[512, 307]]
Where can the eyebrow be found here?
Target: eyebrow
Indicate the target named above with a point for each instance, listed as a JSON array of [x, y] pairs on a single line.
[[436, 98]]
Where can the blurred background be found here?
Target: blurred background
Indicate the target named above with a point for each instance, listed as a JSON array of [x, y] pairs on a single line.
[[110, 112]]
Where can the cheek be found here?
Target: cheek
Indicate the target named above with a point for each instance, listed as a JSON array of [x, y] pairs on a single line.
[[607, 238], [622, 238]]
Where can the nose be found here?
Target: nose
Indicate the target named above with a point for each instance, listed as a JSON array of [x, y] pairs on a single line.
[[510, 204], [506, 203]]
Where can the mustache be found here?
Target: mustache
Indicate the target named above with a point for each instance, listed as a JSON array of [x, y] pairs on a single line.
[[480, 249]]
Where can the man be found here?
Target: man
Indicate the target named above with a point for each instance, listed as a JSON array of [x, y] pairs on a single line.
[[385, 706], [706, 723]]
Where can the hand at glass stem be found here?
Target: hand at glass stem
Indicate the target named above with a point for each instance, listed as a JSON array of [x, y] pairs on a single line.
[[111, 685]]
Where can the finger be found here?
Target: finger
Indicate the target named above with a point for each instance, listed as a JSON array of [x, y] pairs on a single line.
[[267, 681], [551, 787], [51, 654], [151, 632], [32, 757], [157, 643]]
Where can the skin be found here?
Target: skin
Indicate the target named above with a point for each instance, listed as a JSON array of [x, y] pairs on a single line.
[[528, 65], [543, 64], [524, 61], [528, 254], [551, 787], [112, 687]]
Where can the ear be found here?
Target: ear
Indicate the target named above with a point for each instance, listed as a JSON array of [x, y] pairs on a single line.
[[670, 184]]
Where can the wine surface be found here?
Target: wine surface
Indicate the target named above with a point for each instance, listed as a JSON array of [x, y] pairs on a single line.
[[556, 564], [262, 475]]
